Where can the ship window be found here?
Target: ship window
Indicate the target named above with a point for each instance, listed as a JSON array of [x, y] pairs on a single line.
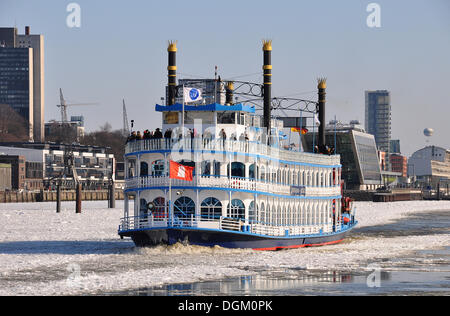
[[252, 212], [226, 118], [262, 213], [216, 165], [211, 208], [170, 118], [143, 211], [131, 168], [160, 208], [206, 168], [236, 210], [158, 168], [184, 207], [144, 169], [265, 216], [274, 175], [237, 170], [263, 173], [281, 216], [252, 171], [241, 119], [202, 117]]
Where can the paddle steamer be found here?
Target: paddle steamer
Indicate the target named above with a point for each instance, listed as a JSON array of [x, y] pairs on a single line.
[[248, 190]]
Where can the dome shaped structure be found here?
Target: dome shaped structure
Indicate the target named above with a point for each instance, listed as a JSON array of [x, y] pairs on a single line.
[[428, 132]]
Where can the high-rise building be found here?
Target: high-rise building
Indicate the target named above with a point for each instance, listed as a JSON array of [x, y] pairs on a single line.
[[35, 43], [16, 87], [8, 36], [378, 117]]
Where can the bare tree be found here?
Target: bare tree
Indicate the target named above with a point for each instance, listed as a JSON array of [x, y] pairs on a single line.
[[13, 127], [106, 137], [61, 133]]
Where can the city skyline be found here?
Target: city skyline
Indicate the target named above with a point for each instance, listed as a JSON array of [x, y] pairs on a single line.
[[119, 52]]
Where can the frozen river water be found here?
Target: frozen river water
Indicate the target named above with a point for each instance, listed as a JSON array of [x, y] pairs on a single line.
[[398, 248]]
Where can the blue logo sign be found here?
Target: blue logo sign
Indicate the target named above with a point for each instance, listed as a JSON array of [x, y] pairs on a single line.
[[194, 94]]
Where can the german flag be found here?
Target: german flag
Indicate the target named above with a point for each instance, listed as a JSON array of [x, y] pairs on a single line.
[[300, 130]]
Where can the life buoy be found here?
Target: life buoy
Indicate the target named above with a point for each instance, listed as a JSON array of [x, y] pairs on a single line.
[[346, 219]]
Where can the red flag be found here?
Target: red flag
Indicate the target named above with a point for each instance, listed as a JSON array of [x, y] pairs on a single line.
[[181, 172]]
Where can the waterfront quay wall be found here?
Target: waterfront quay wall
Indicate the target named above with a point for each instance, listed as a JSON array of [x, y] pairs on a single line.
[[50, 196], [358, 195], [385, 196]]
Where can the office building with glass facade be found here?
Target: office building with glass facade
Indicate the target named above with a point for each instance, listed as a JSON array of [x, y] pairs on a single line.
[[378, 117], [16, 82], [358, 150], [11, 41]]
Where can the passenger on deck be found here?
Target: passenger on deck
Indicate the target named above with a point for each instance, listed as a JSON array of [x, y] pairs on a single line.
[[223, 136], [147, 134], [157, 134], [168, 136], [131, 137]]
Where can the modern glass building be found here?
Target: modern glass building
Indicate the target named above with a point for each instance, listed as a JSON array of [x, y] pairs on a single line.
[[16, 82], [11, 40], [359, 159], [378, 117]]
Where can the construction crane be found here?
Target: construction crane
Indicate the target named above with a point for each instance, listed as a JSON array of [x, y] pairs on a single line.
[[63, 106], [126, 127]]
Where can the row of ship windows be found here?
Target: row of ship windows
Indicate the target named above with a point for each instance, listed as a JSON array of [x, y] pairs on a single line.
[[314, 177], [212, 209]]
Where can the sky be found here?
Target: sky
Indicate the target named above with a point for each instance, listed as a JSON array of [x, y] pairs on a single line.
[[120, 52]]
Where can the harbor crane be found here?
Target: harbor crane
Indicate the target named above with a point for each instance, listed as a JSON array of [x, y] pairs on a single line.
[[63, 106], [126, 127]]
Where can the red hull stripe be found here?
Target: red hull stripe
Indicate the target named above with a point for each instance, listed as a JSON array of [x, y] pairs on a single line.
[[299, 246]]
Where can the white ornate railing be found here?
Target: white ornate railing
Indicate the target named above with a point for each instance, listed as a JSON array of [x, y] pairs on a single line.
[[218, 145], [227, 183], [223, 223]]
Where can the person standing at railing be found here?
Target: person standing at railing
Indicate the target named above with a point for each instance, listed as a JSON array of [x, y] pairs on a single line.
[[223, 136], [157, 136], [131, 137], [191, 138], [147, 134], [246, 141], [167, 137]]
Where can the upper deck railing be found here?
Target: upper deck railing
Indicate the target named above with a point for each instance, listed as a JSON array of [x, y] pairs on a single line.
[[230, 146], [236, 183]]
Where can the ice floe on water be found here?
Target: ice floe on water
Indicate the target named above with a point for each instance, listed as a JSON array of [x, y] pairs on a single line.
[[45, 253]]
